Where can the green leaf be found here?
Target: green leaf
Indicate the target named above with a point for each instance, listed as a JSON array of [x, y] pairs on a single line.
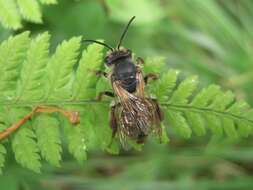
[[12, 55], [60, 69], [184, 90], [48, 136], [197, 123], [178, 122], [165, 85], [206, 95], [30, 10], [2, 157], [154, 64], [48, 2], [202, 99], [76, 141], [26, 149], [91, 61], [9, 15], [120, 10], [164, 138], [32, 79]]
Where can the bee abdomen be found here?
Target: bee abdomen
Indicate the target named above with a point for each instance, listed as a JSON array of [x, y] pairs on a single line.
[[136, 122]]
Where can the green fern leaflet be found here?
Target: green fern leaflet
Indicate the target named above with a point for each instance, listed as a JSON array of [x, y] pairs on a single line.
[[12, 12]]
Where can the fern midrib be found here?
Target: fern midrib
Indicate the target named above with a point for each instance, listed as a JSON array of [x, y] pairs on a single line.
[[178, 107], [175, 107]]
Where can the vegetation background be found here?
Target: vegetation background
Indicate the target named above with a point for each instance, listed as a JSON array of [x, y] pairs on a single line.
[[210, 38]]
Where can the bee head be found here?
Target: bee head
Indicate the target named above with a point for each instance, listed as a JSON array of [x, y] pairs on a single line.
[[114, 56]]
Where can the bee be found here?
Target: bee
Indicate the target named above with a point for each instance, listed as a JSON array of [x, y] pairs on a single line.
[[133, 115]]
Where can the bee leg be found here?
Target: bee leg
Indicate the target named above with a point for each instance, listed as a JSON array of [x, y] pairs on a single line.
[[113, 121], [73, 117], [158, 110], [113, 124], [140, 61], [159, 116], [104, 93], [102, 73], [151, 76]]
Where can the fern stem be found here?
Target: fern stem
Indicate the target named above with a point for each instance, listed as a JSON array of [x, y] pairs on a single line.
[[50, 103], [190, 108], [176, 107]]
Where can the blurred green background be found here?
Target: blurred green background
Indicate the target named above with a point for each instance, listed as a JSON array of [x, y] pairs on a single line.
[[210, 38]]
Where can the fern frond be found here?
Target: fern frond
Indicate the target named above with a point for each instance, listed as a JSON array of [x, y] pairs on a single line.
[[29, 77], [9, 15], [30, 10]]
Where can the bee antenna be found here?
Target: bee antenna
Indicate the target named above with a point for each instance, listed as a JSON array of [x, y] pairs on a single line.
[[124, 32], [101, 43]]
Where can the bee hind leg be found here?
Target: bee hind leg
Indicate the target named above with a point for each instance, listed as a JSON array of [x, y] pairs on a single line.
[[150, 76], [113, 123], [104, 93], [159, 112], [158, 118]]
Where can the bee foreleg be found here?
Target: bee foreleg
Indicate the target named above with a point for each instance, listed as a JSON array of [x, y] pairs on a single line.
[[140, 61], [104, 93], [151, 76], [102, 73]]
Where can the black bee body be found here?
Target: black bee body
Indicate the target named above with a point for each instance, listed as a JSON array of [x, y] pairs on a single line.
[[124, 69]]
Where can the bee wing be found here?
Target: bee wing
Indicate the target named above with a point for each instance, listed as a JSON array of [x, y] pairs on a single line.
[[136, 112], [140, 90], [120, 132]]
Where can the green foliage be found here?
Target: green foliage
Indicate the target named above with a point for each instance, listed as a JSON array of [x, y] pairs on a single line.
[[26, 149], [12, 55], [29, 9], [60, 69], [2, 157], [12, 12], [140, 8], [187, 110], [77, 141], [48, 2], [48, 138], [30, 77]]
